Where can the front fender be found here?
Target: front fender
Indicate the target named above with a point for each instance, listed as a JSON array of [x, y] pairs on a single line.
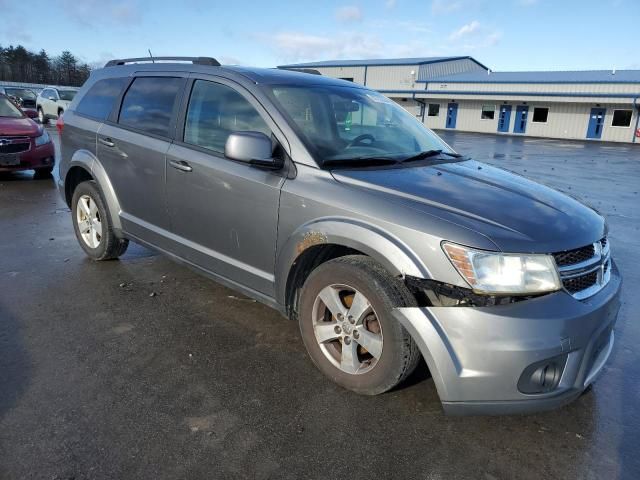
[[369, 239]]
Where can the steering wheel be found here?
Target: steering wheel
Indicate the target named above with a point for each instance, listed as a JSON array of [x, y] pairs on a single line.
[[360, 138]]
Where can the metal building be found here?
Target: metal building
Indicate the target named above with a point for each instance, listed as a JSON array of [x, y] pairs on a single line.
[[461, 93]]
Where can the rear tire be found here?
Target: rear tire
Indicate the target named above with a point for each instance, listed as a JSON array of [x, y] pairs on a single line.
[[42, 118], [357, 286], [92, 224]]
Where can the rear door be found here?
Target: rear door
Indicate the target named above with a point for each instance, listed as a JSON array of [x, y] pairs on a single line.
[[225, 213], [132, 146]]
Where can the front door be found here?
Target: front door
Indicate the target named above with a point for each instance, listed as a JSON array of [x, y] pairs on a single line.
[[132, 148], [520, 123], [596, 123], [505, 118], [224, 213], [452, 115]]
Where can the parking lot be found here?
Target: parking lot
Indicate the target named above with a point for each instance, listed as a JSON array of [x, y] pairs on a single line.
[[141, 368]]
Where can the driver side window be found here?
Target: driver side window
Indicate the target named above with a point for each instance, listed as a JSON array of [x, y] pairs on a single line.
[[215, 111]]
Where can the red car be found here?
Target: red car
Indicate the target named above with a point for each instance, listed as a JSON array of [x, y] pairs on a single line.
[[24, 145]]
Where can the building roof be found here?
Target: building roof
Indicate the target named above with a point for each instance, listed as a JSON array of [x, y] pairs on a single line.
[[578, 76], [378, 62]]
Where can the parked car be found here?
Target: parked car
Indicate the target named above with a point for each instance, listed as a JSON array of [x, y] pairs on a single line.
[[25, 98], [329, 202], [53, 101], [24, 145]]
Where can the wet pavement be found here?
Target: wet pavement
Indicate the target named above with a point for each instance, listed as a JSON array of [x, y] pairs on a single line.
[[101, 379]]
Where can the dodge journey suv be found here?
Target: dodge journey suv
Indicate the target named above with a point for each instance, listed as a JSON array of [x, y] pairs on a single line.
[[331, 203]]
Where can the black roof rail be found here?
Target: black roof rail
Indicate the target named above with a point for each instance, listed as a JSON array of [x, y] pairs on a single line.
[[311, 71], [212, 62]]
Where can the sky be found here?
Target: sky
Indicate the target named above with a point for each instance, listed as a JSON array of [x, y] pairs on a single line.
[[505, 35]]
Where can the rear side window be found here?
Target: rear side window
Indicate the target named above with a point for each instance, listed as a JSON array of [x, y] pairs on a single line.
[[215, 111], [98, 101], [148, 104]]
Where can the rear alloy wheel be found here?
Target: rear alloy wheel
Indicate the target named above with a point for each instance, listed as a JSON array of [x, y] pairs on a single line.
[[347, 325], [92, 224]]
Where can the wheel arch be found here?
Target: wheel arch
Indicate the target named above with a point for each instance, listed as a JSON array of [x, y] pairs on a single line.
[[85, 166], [319, 241]]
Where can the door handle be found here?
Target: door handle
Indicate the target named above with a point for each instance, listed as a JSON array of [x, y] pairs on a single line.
[[180, 165], [107, 142]]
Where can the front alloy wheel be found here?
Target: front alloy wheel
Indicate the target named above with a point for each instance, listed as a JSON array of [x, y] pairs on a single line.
[[347, 324], [347, 329]]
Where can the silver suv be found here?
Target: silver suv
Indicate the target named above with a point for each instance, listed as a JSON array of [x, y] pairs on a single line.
[[329, 202]]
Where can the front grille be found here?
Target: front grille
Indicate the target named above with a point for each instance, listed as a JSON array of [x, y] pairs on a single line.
[[582, 282], [14, 145], [586, 270], [577, 255]]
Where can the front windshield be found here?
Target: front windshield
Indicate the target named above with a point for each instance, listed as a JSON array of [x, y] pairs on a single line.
[[67, 94], [8, 109], [22, 93], [346, 123]]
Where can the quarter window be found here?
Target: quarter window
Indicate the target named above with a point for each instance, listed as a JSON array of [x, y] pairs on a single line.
[[540, 114], [488, 112], [98, 101], [148, 104], [621, 118], [215, 111], [434, 110]]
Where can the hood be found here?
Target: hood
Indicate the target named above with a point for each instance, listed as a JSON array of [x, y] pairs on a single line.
[[518, 215], [18, 126]]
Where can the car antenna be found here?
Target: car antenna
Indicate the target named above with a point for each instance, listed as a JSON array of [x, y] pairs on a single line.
[[151, 56]]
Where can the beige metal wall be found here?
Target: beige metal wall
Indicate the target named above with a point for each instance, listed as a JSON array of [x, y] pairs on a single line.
[[357, 73], [396, 77], [572, 88], [565, 120]]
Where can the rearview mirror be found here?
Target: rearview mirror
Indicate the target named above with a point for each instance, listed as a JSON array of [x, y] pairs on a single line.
[[252, 147]]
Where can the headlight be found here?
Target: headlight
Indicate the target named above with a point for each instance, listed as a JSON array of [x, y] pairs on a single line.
[[504, 273], [43, 139]]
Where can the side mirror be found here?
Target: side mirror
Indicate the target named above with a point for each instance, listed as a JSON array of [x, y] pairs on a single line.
[[54, 99], [253, 148]]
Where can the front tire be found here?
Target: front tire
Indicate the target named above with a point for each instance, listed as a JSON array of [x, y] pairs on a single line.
[[347, 326], [92, 224]]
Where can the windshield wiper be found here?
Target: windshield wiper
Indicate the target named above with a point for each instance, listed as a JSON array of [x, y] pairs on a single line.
[[358, 161], [429, 154]]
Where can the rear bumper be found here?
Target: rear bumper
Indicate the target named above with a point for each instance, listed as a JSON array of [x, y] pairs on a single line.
[[36, 157], [477, 355]]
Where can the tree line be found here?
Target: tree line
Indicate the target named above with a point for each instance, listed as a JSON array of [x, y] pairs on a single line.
[[17, 64]]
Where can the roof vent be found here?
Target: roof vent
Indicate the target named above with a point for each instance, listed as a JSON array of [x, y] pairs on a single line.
[[488, 71], [613, 72]]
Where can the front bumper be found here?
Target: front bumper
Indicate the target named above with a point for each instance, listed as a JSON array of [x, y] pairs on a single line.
[[36, 157], [477, 355]]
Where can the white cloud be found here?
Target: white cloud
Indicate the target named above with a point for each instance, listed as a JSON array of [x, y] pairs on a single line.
[[298, 46], [439, 7], [349, 13], [465, 30], [390, 4]]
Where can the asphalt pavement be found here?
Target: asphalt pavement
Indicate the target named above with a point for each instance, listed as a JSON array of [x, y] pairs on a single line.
[[141, 368]]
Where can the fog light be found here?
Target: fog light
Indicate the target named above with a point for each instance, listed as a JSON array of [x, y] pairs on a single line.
[[543, 376]]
